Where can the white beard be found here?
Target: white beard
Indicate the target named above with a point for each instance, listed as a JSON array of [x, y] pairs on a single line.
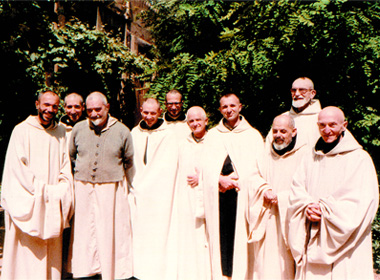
[[96, 122], [280, 147], [300, 103]]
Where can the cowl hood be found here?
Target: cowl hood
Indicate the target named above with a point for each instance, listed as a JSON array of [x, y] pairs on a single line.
[[242, 126], [162, 126], [33, 121], [347, 144]]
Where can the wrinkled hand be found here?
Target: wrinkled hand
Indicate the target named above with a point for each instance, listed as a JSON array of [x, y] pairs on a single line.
[[193, 180], [228, 182], [313, 212], [270, 198]]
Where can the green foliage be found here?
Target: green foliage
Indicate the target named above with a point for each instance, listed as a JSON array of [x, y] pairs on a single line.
[[257, 48]]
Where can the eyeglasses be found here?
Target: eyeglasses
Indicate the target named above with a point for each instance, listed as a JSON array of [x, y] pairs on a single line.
[[173, 103], [300, 90]]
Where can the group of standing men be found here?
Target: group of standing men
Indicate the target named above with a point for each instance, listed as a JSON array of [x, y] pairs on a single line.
[[171, 200]]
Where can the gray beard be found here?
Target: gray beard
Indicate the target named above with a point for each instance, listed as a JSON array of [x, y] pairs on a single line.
[[280, 147], [300, 103], [96, 122]]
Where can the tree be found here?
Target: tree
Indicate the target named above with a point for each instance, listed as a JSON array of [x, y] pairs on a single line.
[[259, 47]]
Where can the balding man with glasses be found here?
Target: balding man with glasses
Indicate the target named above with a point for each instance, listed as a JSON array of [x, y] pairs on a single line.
[[304, 111]]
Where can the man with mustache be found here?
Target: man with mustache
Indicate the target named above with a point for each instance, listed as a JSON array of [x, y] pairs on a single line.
[[273, 259], [304, 111], [101, 150], [36, 194], [174, 116], [74, 108]]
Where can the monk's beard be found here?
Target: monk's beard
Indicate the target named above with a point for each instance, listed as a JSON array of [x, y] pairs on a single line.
[[96, 122], [280, 147], [300, 103]]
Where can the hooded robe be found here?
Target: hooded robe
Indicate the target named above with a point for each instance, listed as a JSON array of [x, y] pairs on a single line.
[[273, 259], [244, 145], [194, 255], [37, 196], [306, 123], [344, 183], [153, 194]]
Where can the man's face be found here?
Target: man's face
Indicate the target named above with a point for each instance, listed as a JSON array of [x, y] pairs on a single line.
[[173, 105], [230, 108], [150, 112], [197, 123], [302, 92], [47, 107], [97, 111], [330, 126], [282, 133], [74, 108]]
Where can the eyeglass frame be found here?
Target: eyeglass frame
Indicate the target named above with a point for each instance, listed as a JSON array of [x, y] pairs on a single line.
[[302, 91]]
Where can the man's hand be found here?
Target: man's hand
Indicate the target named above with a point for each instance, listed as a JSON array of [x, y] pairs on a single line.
[[193, 180], [228, 182], [313, 212], [270, 198]]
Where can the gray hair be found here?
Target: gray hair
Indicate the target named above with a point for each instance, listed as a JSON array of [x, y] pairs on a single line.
[[97, 94]]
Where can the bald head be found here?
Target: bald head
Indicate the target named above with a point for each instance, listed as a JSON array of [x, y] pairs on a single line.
[[196, 110], [74, 106], [331, 123], [197, 121], [97, 95], [283, 130]]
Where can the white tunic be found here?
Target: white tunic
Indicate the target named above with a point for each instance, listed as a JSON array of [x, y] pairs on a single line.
[[193, 250], [37, 196], [153, 194]]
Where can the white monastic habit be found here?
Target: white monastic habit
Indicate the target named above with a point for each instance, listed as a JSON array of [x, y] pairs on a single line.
[[306, 123], [344, 183], [245, 146], [180, 128], [153, 194], [37, 196], [273, 259], [194, 255]]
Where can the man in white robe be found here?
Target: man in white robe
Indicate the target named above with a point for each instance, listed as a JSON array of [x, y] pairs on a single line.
[[193, 251], [333, 200], [174, 116], [304, 111], [273, 259], [101, 149], [231, 154], [156, 158], [74, 108], [36, 194]]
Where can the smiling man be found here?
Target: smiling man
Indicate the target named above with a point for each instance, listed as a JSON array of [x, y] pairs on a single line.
[[156, 157], [232, 151], [174, 116], [304, 111], [333, 200], [193, 255], [36, 194], [273, 259], [101, 151], [74, 108]]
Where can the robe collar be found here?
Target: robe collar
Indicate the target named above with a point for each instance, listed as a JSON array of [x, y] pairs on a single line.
[[242, 126], [159, 125], [346, 144], [68, 122], [33, 121], [312, 109], [294, 146], [181, 118]]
